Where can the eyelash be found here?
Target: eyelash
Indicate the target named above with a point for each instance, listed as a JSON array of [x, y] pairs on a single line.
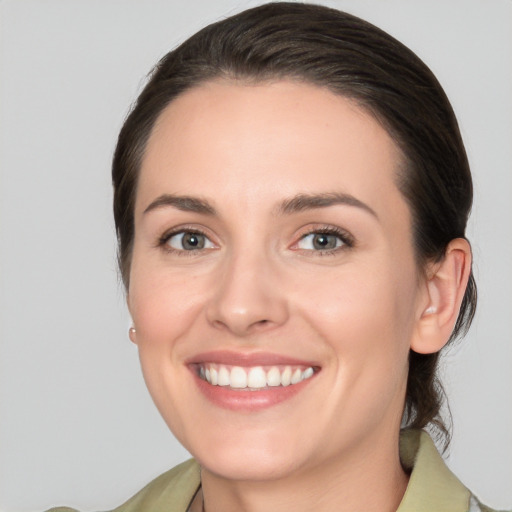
[[164, 239], [348, 241], [346, 238]]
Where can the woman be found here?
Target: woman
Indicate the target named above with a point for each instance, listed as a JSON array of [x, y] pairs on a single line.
[[291, 193]]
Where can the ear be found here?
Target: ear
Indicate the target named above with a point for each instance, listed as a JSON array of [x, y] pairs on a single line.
[[445, 286], [132, 332]]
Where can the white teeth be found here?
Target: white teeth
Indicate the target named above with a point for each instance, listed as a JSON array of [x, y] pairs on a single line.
[[223, 376], [308, 372], [274, 376], [238, 378], [256, 377], [297, 376], [286, 376]]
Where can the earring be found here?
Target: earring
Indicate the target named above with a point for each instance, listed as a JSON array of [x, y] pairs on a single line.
[[429, 311], [131, 333]]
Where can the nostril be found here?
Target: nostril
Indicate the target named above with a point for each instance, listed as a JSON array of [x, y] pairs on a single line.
[[218, 324], [260, 323]]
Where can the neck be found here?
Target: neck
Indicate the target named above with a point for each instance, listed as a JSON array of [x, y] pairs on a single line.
[[367, 479]]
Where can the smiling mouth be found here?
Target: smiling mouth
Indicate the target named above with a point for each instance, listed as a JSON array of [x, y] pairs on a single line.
[[253, 378]]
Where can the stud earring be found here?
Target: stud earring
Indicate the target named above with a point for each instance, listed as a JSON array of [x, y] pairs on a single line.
[[430, 310], [131, 333]]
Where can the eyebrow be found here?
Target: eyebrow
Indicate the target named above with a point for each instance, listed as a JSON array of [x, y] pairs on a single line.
[[297, 203], [302, 202], [184, 203]]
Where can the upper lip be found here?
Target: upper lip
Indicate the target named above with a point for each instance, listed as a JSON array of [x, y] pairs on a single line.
[[234, 358]]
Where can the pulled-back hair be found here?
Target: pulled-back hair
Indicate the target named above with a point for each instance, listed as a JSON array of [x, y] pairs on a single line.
[[350, 57]]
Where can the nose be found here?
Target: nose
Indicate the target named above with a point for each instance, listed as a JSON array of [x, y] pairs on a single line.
[[248, 297]]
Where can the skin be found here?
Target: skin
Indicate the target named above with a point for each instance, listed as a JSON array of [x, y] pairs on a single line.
[[260, 285]]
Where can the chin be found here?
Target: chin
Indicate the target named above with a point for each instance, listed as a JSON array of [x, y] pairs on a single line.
[[248, 465], [247, 452]]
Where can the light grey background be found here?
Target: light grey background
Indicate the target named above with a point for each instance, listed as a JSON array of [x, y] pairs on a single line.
[[77, 425]]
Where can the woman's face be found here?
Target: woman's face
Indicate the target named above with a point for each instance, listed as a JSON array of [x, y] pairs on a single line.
[[273, 256]]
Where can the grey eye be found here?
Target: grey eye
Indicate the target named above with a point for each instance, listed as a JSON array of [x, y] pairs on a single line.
[[189, 241], [320, 242]]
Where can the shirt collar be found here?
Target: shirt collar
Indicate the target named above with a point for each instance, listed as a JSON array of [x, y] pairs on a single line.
[[432, 486]]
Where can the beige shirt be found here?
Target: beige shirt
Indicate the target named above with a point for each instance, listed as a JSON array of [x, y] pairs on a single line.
[[432, 486]]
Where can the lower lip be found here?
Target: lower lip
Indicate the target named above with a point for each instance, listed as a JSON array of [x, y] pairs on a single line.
[[248, 400]]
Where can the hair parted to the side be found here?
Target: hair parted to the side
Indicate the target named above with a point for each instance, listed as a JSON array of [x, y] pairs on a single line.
[[355, 59]]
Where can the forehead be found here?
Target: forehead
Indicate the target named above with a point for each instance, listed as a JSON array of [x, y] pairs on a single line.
[[257, 143]]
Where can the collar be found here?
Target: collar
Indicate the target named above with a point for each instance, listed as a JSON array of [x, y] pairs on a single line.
[[432, 486]]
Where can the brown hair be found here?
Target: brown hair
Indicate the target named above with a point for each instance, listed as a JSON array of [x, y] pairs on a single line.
[[355, 59]]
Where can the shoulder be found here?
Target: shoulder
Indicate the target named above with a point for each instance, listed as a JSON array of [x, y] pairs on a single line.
[[174, 488], [432, 486], [172, 491]]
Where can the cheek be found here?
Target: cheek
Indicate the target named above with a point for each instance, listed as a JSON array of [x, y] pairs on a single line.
[[163, 305], [365, 316]]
